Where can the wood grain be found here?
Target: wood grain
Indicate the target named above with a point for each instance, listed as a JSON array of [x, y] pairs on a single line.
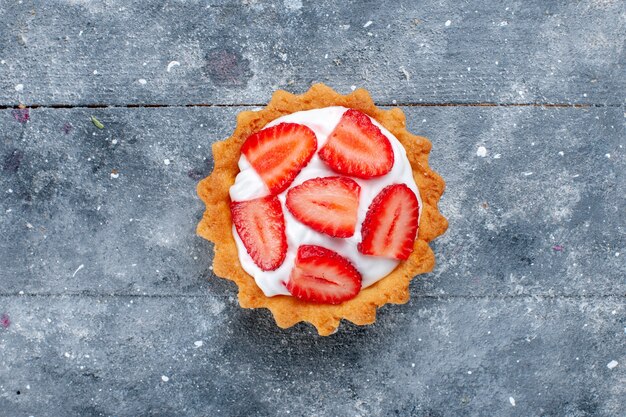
[[227, 52], [121, 200]]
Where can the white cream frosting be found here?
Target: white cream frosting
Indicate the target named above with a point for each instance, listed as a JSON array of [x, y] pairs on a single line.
[[248, 185]]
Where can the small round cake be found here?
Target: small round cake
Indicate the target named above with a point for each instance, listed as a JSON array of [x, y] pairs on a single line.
[[320, 207]]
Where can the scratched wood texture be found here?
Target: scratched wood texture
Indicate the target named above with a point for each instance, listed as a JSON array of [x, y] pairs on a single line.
[[108, 306], [126, 52]]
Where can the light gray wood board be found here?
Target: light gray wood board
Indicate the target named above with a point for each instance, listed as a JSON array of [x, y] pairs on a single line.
[[524, 219], [108, 356], [230, 52]]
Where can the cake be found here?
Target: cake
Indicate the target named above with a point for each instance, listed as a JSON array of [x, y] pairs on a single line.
[[320, 207]]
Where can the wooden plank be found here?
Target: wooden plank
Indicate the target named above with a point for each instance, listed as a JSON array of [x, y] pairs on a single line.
[[225, 52], [113, 210], [76, 356]]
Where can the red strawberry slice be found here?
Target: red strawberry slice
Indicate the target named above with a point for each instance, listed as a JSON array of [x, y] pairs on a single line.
[[321, 275], [390, 224], [328, 205], [278, 153], [357, 147], [261, 226]]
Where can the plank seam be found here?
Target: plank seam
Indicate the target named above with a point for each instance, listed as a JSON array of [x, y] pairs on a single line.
[[409, 104], [414, 296]]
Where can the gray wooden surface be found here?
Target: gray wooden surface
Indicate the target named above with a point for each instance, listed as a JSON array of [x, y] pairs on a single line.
[[108, 306], [118, 52]]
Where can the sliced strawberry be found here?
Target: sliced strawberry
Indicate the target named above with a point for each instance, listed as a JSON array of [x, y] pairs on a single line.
[[321, 275], [357, 147], [261, 226], [390, 224], [328, 205], [278, 153]]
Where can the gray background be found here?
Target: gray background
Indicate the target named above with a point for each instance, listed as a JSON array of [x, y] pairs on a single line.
[[106, 292]]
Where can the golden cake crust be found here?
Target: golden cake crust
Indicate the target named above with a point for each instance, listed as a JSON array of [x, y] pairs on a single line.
[[216, 225]]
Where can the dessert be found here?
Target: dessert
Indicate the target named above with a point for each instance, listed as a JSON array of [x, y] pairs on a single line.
[[320, 207]]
